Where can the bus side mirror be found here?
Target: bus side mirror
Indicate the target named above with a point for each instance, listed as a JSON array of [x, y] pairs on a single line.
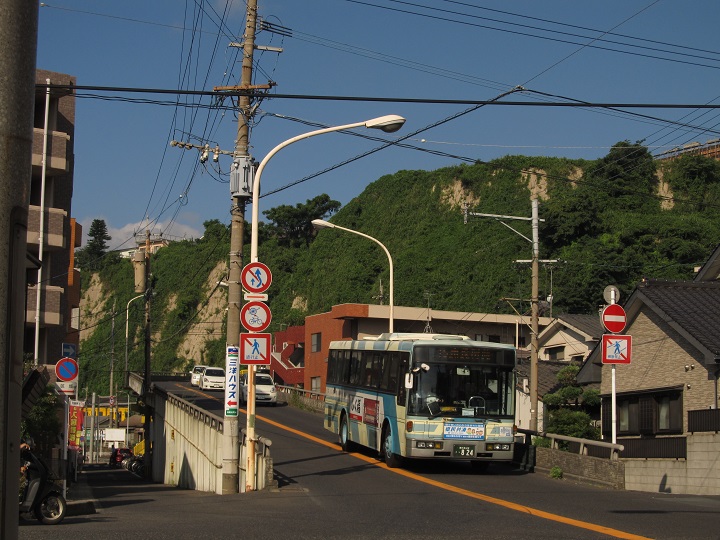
[[408, 380]]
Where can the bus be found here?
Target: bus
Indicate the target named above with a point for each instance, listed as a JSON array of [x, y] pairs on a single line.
[[423, 396]]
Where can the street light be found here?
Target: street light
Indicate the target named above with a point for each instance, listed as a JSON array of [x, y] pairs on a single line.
[[127, 418], [322, 224], [389, 124], [127, 320]]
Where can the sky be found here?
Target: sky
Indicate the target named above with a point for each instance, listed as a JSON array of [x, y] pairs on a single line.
[[426, 60]]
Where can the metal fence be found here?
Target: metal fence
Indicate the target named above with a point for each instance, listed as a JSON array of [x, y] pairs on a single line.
[[704, 420]]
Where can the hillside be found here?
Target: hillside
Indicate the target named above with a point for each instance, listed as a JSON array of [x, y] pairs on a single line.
[[611, 221]]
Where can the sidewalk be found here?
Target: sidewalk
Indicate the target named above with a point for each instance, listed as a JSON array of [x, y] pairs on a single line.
[[80, 500]]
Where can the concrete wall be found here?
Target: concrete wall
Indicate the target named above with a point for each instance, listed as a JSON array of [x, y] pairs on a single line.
[[699, 474], [190, 443], [588, 469]]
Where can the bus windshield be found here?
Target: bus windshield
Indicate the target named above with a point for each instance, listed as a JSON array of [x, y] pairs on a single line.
[[444, 386]]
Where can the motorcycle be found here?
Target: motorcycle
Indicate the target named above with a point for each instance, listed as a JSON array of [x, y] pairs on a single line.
[[43, 495]]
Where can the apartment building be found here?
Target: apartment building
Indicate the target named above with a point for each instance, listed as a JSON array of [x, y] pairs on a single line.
[[52, 282]]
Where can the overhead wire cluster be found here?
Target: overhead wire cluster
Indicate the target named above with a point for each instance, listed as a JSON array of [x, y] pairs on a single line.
[[190, 101]]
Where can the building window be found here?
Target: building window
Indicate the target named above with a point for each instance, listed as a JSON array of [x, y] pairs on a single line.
[[664, 413], [315, 384], [623, 416], [556, 353], [316, 343], [645, 413]]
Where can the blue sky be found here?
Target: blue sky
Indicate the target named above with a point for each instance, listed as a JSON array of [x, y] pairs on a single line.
[[615, 51]]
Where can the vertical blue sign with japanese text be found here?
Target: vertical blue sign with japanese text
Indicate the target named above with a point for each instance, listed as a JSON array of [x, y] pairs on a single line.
[[231, 382]]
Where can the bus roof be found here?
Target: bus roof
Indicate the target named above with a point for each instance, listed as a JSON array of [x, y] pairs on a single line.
[[406, 340]]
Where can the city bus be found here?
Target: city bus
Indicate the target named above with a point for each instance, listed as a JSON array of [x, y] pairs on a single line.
[[423, 396]]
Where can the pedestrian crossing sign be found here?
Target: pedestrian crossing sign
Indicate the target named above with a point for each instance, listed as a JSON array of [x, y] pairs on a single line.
[[255, 349], [616, 349]]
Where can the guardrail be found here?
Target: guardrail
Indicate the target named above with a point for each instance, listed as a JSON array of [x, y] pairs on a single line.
[[299, 397], [584, 445]]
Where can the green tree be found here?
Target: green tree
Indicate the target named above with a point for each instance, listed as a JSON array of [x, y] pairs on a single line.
[[693, 179], [625, 178], [292, 225], [91, 256], [569, 407]]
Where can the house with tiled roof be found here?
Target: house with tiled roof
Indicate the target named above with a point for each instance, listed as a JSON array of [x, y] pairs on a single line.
[[568, 339], [667, 396]]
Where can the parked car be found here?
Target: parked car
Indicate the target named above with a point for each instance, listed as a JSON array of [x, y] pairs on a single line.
[[265, 390], [195, 375], [212, 378]]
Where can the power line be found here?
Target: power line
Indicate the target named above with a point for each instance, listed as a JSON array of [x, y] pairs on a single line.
[[325, 97]]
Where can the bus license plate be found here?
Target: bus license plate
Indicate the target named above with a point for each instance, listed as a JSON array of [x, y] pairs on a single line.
[[463, 450]]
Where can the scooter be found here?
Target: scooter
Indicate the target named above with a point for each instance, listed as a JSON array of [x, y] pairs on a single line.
[[43, 495]]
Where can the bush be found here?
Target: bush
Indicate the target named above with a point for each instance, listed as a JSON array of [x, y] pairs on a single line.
[[541, 442], [556, 472]]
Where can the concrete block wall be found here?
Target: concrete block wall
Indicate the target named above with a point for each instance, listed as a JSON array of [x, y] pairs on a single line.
[[699, 474], [588, 469]]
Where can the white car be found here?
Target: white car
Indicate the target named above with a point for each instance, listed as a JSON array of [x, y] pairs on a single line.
[[212, 378], [195, 375], [265, 391]]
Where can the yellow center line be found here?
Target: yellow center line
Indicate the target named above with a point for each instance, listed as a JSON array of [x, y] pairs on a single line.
[[467, 493]]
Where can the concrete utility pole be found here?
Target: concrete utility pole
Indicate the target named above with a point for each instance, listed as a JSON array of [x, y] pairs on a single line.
[[112, 367], [148, 365], [18, 34], [534, 302], [240, 178], [534, 316]]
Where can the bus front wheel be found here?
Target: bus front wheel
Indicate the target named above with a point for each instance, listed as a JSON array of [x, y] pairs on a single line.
[[391, 459]]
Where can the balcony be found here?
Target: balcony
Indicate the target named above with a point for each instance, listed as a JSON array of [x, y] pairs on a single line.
[[58, 151], [50, 314], [56, 228]]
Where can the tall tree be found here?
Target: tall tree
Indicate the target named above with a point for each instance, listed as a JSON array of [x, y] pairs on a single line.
[[569, 406], [91, 257]]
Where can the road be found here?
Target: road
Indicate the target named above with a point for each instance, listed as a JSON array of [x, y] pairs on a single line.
[[324, 493]]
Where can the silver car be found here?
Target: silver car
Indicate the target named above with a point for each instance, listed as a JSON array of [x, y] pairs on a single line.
[[265, 390]]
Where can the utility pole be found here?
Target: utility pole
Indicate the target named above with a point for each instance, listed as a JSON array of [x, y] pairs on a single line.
[[534, 316], [535, 308], [141, 263], [148, 367], [240, 190], [19, 29], [112, 367]]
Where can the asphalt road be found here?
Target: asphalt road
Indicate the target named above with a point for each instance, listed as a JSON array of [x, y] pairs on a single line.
[[325, 493]]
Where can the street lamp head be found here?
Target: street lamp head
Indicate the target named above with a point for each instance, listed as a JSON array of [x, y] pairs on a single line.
[[389, 123], [322, 224]]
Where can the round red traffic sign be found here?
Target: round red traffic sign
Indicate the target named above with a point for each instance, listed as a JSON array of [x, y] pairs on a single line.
[[613, 318], [256, 277], [66, 370], [255, 316]]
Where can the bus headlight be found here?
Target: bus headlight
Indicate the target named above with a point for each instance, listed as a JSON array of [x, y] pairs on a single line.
[[433, 445], [490, 447]]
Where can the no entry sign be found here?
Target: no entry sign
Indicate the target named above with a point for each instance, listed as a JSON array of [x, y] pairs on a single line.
[[614, 318]]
